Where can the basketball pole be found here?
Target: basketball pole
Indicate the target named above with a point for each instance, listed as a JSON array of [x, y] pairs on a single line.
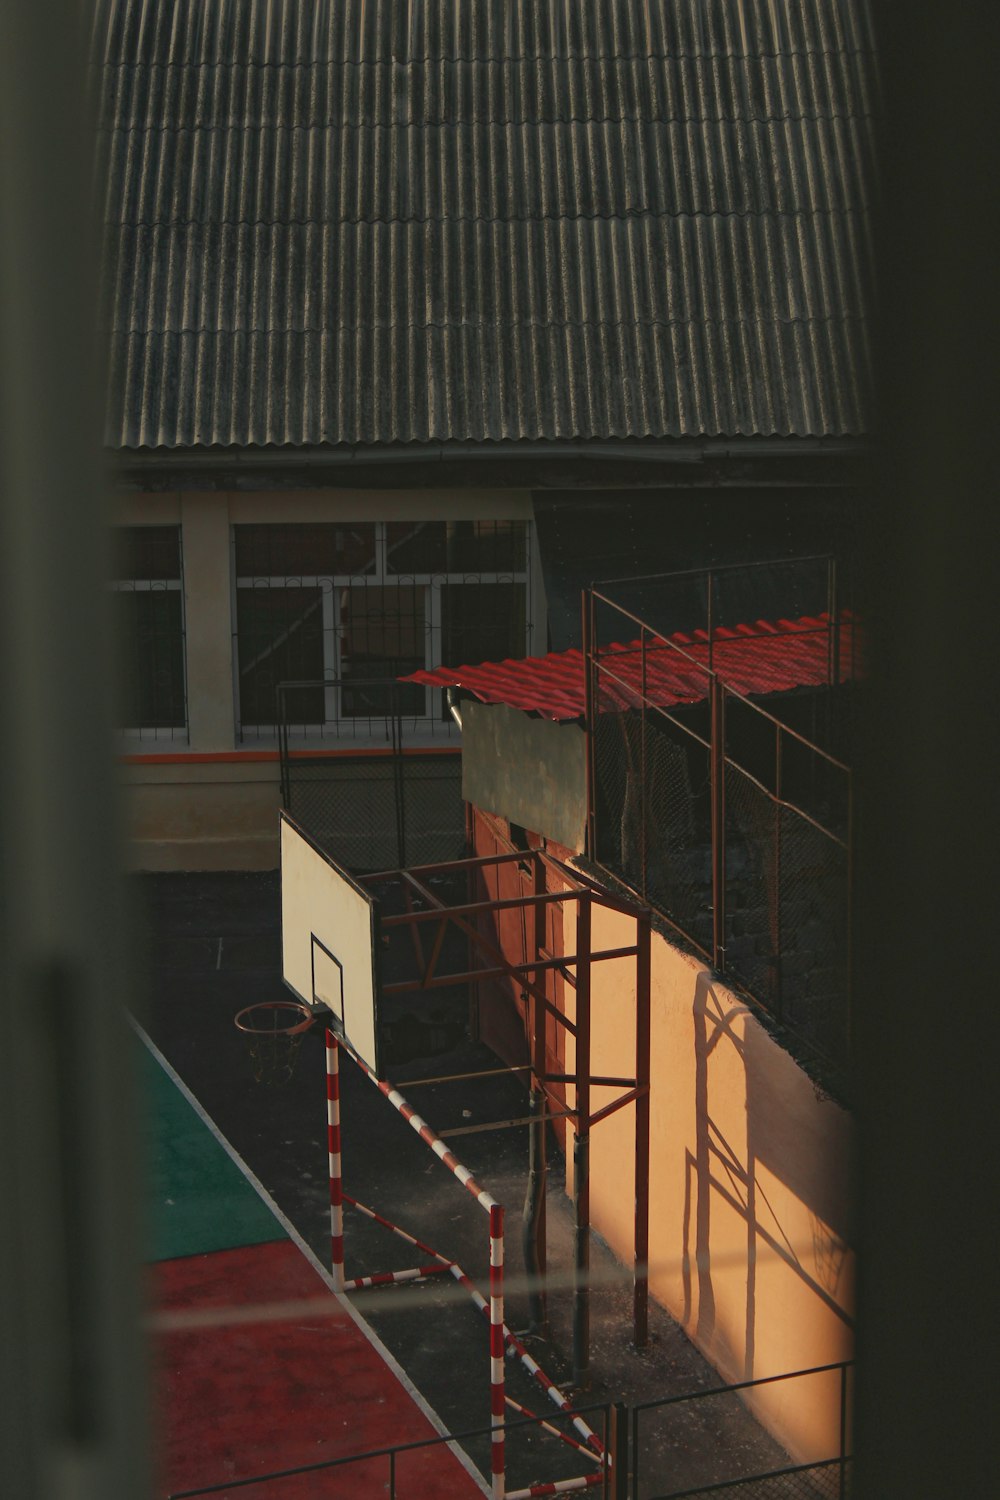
[[497, 1373], [333, 1151]]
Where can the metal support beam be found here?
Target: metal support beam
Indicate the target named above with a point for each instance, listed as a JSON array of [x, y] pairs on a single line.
[[774, 896], [380, 877], [581, 1152], [618, 1450], [589, 717], [532, 1119], [717, 784], [534, 1200], [614, 1106], [418, 946], [640, 1285], [474, 908], [513, 971], [539, 960]]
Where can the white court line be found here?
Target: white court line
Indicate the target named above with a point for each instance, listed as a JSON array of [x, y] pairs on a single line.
[[317, 1265]]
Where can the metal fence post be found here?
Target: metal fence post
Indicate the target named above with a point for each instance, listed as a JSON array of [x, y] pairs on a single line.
[[710, 621], [618, 1448], [717, 782], [589, 718], [643, 770], [849, 898], [843, 1432], [398, 771], [581, 1150], [534, 1200], [283, 769], [640, 1288], [633, 1449], [776, 976], [834, 604]]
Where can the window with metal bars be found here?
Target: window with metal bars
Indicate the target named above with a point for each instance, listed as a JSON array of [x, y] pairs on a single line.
[[360, 604], [149, 608]]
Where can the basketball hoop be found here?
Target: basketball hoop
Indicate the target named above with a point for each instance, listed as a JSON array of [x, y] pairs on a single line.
[[273, 1032]]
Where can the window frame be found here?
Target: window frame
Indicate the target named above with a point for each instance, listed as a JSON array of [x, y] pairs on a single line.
[[335, 725], [171, 733]]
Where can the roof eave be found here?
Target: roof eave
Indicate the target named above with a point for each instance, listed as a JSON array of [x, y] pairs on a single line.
[[537, 463]]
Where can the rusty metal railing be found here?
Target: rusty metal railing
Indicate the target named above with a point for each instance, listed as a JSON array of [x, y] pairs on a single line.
[[725, 815]]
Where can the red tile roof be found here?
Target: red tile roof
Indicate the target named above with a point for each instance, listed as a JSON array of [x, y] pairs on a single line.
[[766, 657]]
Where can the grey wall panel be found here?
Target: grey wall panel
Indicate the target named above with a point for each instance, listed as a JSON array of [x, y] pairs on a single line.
[[531, 771]]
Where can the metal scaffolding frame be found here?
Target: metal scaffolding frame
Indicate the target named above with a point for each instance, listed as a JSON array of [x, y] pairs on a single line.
[[576, 969]]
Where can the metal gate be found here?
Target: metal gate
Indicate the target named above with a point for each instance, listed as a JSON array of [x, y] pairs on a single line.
[[378, 788]]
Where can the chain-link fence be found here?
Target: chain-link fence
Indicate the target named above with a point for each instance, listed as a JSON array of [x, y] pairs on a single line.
[[660, 844], [826, 1481], [389, 804], [707, 1443], [721, 813]]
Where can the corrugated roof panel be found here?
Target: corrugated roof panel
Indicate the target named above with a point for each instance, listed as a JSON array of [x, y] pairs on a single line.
[[356, 31], [755, 660], [347, 174], [616, 218], [465, 273]]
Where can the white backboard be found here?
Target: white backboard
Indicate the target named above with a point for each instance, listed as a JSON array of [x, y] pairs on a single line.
[[328, 940]]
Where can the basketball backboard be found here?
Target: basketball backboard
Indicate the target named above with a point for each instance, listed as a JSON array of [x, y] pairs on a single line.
[[328, 940]]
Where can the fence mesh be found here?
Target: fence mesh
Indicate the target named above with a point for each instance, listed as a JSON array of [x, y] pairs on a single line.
[[812, 896], [678, 855], [715, 1443], [774, 828], [753, 938], [652, 811], [380, 812], [817, 1482], [371, 791]]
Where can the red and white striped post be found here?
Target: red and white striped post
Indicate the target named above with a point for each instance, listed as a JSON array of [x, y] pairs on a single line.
[[497, 1374], [333, 1150]]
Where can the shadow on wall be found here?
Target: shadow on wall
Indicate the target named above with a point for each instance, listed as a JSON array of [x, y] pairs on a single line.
[[789, 1156]]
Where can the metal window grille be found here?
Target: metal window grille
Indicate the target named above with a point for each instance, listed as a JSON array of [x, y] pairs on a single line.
[[348, 607], [149, 606]]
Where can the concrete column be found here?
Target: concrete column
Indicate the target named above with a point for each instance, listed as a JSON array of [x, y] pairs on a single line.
[[208, 620]]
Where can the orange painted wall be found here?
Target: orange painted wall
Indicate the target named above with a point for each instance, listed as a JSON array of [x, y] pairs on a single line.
[[502, 1013], [749, 1182]]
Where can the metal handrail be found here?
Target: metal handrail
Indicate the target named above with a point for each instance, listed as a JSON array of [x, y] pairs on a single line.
[[656, 640], [391, 1450], [745, 567], [842, 1458], [742, 1385], [734, 1484]]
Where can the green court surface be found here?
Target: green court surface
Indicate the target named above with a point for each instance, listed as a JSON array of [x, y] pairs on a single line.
[[197, 1198], [258, 1369]]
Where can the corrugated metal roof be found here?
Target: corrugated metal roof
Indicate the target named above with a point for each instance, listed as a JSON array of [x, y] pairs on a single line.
[[765, 657], [381, 220]]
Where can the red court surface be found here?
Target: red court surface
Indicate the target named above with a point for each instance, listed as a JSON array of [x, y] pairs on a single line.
[[258, 1367]]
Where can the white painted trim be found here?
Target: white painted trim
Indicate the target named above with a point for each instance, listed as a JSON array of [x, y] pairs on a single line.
[[389, 1360]]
